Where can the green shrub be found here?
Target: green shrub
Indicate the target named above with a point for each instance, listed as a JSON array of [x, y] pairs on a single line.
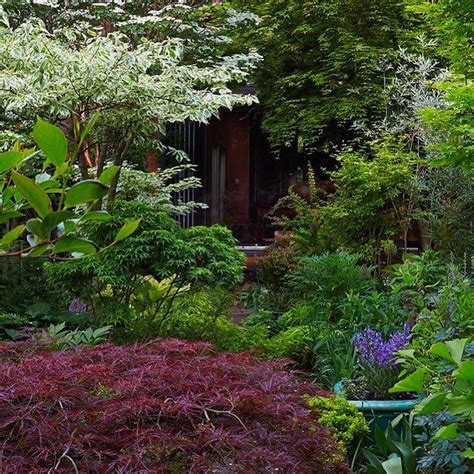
[[10, 323], [23, 283], [329, 277], [344, 421], [418, 278], [381, 310], [294, 343], [203, 257], [273, 269], [200, 316]]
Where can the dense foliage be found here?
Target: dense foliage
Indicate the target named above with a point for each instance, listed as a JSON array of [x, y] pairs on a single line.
[[381, 91], [159, 406], [329, 61]]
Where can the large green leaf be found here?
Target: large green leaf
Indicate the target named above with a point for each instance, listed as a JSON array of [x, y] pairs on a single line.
[[100, 216], [462, 405], [71, 244], [412, 383], [11, 236], [393, 465], [432, 404], [466, 371], [9, 159], [85, 191], [51, 140], [447, 432], [34, 226], [52, 220], [108, 174], [33, 193], [451, 351], [127, 229]]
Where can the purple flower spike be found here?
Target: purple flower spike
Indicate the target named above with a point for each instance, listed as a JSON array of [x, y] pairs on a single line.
[[78, 306], [374, 351]]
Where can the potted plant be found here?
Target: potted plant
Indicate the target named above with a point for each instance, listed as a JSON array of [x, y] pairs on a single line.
[[377, 372]]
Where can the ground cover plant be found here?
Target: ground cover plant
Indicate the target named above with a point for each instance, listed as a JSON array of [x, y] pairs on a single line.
[[160, 406]]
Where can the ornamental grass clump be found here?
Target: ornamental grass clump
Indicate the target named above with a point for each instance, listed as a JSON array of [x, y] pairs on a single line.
[[164, 406], [377, 359]]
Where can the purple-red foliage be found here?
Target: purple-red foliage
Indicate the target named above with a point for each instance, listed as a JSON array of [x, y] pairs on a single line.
[[166, 406]]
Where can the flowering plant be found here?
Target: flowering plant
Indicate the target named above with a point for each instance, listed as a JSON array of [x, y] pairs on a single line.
[[377, 358]]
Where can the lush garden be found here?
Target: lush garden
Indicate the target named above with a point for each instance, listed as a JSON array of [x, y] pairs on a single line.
[[118, 352]]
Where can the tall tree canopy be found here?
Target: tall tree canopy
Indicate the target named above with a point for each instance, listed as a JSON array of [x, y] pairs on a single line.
[[326, 65], [141, 68]]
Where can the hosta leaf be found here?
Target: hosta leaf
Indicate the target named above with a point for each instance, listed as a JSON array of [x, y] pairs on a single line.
[[84, 192], [412, 383], [33, 193], [71, 244], [51, 140], [127, 229]]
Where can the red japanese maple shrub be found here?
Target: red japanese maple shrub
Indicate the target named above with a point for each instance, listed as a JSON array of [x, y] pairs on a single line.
[[165, 406]]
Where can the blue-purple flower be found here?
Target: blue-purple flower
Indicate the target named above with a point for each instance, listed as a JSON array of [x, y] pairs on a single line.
[[78, 306], [373, 350]]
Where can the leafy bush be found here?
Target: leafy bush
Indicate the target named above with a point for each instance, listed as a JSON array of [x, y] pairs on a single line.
[[381, 310], [444, 374], [196, 316], [294, 343], [10, 323], [273, 269], [27, 277], [346, 423], [200, 257], [418, 278], [371, 202], [163, 406], [329, 277]]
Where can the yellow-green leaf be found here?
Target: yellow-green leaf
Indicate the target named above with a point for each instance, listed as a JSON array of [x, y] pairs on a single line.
[[412, 383], [11, 236], [127, 229]]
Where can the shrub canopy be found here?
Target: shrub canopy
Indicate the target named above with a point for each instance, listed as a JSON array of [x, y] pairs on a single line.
[[167, 405]]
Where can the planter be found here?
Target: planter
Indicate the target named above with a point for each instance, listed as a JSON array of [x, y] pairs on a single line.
[[382, 412], [379, 412]]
